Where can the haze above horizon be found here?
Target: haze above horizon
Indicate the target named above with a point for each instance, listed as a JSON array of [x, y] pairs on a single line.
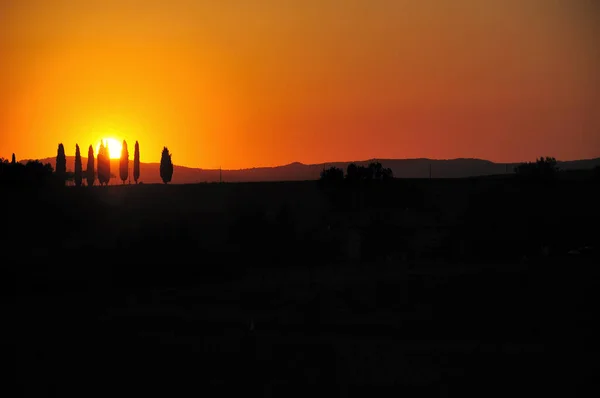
[[252, 83]]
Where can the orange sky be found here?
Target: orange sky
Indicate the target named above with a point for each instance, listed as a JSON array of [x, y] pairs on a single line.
[[265, 82]]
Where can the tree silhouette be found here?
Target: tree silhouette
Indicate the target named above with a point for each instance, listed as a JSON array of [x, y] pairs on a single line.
[[39, 174], [124, 163], [100, 163], [61, 163], [166, 166], [136, 162], [387, 173], [543, 168], [90, 175], [32, 174], [109, 175], [358, 173], [9, 172], [14, 159], [332, 174], [331, 182], [103, 165], [378, 172], [368, 172], [78, 168], [374, 171], [352, 172]]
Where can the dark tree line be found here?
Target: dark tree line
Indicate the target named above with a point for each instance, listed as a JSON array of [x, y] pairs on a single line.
[[101, 170], [374, 171], [31, 174], [542, 168], [360, 186], [12, 172]]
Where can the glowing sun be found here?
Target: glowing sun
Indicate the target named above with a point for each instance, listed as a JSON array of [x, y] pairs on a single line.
[[114, 147]]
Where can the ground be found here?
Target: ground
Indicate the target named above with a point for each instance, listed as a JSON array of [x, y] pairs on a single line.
[[460, 287]]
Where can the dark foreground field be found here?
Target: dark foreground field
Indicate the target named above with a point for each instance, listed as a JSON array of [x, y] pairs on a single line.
[[423, 287]]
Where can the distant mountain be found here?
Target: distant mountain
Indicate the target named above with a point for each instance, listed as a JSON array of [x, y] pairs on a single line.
[[403, 168]]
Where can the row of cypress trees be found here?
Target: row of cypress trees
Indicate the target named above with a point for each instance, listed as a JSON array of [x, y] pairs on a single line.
[[103, 165]]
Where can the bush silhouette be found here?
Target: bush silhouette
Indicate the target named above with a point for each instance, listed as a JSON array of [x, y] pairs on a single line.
[[543, 168], [78, 174], [124, 163], [38, 173], [90, 173], [378, 172], [361, 186], [136, 162], [352, 172], [332, 174], [166, 166], [358, 173], [331, 182], [33, 174], [374, 171]]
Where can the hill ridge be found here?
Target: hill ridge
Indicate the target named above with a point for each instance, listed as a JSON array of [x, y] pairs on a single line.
[[297, 171]]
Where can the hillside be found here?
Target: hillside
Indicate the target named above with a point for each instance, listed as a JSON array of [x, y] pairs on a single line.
[[403, 168]]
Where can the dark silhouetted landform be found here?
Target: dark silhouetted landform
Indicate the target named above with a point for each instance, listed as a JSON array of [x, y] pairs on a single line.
[[401, 168], [356, 283]]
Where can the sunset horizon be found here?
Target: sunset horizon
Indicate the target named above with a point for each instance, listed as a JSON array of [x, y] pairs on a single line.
[[115, 158], [261, 84], [349, 197]]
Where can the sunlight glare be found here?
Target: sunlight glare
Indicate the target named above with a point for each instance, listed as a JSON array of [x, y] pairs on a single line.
[[114, 147]]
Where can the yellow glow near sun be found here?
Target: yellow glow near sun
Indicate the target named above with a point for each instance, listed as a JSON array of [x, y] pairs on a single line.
[[114, 147]]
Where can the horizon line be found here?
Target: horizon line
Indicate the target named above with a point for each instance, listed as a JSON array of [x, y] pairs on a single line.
[[329, 162]]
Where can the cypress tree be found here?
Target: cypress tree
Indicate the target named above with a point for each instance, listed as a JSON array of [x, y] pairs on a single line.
[[61, 163], [107, 163], [166, 166], [90, 167], [124, 163], [101, 164], [136, 162], [78, 168]]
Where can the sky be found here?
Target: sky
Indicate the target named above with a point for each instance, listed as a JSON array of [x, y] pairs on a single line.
[[248, 83]]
